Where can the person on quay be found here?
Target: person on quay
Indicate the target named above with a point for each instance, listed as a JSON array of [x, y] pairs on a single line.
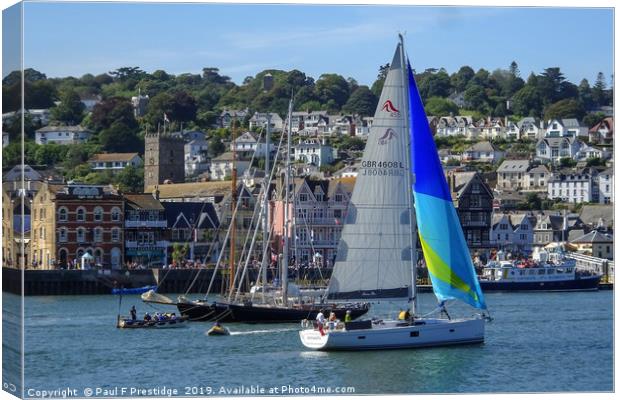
[[133, 313]]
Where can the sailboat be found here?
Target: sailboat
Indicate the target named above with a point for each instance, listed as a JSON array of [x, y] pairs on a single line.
[[265, 309], [401, 193]]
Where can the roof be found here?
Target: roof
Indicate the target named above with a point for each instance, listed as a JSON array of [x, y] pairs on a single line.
[[514, 166], [594, 237], [107, 157], [482, 146], [142, 201], [192, 189], [15, 174], [593, 214], [539, 169], [606, 123], [57, 128], [200, 215]]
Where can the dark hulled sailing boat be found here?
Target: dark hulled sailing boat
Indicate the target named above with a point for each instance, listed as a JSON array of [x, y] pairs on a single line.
[[277, 309]]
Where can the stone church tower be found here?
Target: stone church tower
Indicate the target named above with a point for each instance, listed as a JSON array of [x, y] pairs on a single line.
[[164, 159]]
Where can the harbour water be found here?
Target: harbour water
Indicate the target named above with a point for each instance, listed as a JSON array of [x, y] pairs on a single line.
[[538, 342]]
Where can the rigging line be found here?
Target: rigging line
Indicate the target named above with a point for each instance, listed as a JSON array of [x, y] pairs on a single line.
[[212, 245], [247, 260], [233, 215]]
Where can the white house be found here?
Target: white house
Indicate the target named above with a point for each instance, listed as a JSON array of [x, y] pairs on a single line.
[[572, 186], [511, 174], [602, 132], [196, 157], [587, 152], [363, 127], [247, 143], [492, 128], [482, 152], [5, 139], [513, 232], [531, 128], [308, 121], [536, 178], [259, 120], [62, 135], [565, 127], [114, 162], [221, 166], [313, 151], [606, 186], [554, 148]]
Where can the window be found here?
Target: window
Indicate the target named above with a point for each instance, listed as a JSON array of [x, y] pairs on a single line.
[[303, 197], [62, 235], [98, 214], [62, 214], [81, 235], [338, 197], [116, 214], [116, 235], [98, 236], [80, 214]]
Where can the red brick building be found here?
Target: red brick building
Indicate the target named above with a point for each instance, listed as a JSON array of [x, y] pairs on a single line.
[[89, 219]]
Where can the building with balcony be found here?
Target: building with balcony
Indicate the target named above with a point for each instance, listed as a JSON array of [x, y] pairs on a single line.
[[473, 200], [146, 225], [62, 135], [114, 162]]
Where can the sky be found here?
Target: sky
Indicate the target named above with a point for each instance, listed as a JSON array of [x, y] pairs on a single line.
[[71, 39]]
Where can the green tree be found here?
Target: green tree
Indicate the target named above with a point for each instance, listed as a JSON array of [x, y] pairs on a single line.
[[216, 147], [179, 252], [567, 108], [533, 202], [70, 110], [39, 94], [120, 138], [111, 110], [598, 91], [527, 101], [475, 97], [363, 102], [593, 118], [377, 86], [130, 179], [332, 87], [567, 162], [460, 79], [439, 106]]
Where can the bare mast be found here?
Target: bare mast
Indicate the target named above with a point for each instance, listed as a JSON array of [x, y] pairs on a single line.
[[286, 207]]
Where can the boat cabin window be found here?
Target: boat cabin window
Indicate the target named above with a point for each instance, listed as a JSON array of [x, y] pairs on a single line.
[[521, 273], [569, 270], [541, 271], [531, 272], [550, 271]]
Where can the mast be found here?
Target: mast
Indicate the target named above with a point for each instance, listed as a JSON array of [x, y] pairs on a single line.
[[233, 203], [286, 205], [410, 181], [266, 205]]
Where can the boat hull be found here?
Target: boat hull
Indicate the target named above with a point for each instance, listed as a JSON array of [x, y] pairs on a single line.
[[224, 312], [580, 284], [395, 335], [141, 324]]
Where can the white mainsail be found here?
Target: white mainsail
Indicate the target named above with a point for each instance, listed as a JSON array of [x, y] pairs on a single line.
[[374, 255]]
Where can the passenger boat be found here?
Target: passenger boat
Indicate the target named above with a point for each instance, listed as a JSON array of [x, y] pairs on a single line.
[[166, 323], [377, 255], [546, 271]]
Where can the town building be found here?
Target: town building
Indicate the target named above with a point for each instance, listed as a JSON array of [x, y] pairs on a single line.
[[72, 220], [210, 191], [114, 162], [474, 204], [146, 225], [164, 157], [565, 127], [139, 104], [531, 128], [511, 174], [573, 186], [227, 116], [536, 179], [222, 166], [62, 135], [602, 132], [247, 144], [596, 244], [8, 236], [313, 151], [192, 225], [482, 152], [513, 233], [196, 157], [259, 121], [552, 149], [606, 186]]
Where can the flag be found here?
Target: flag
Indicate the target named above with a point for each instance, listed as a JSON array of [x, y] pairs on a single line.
[[166, 118]]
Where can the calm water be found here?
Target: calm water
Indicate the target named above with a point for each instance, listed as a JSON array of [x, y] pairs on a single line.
[[537, 343]]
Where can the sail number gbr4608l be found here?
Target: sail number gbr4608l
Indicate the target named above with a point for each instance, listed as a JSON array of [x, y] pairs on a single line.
[[382, 168]]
